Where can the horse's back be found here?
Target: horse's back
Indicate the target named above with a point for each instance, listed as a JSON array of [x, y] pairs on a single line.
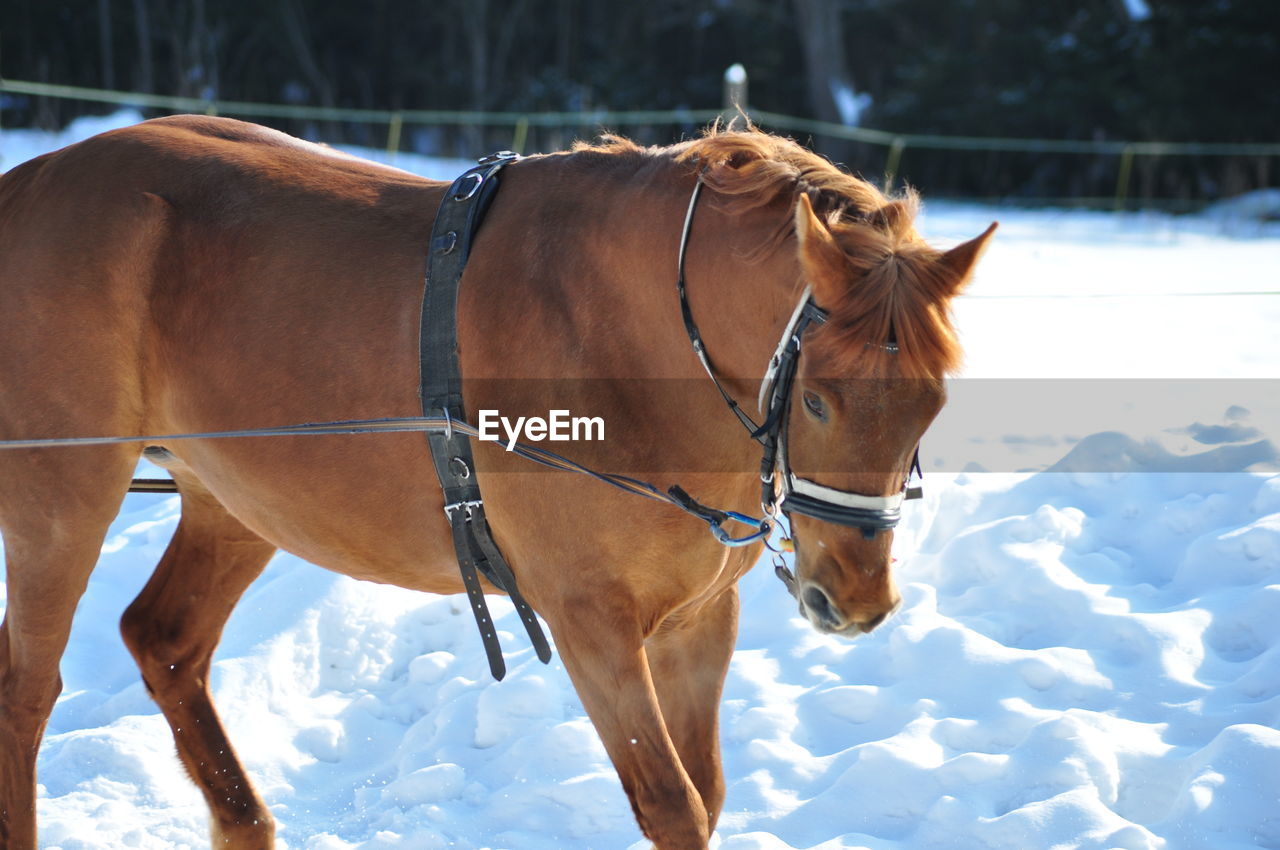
[[100, 197], [157, 246], [198, 274]]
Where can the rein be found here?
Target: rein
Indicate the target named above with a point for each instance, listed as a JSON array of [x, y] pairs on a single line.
[[419, 424]]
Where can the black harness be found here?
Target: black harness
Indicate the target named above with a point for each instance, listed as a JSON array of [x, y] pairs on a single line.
[[461, 211]]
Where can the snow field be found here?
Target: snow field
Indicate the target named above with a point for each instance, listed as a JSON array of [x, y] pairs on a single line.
[[1054, 693], [1084, 659]]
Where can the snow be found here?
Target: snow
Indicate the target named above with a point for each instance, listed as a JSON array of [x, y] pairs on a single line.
[[1087, 658], [1249, 210], [1138, 10], [849, 103]]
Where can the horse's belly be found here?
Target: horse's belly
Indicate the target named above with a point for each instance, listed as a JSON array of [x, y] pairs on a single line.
[[364, 506]]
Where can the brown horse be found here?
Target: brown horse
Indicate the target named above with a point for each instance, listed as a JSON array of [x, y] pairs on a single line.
[[193, 274]]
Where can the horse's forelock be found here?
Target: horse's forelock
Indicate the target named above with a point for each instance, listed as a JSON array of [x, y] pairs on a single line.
[[901, 293]]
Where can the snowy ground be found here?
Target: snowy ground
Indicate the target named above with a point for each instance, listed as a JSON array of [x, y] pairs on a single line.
[[1084, 659]]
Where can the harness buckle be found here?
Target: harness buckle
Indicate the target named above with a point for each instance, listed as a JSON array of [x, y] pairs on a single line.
[[468, 506]]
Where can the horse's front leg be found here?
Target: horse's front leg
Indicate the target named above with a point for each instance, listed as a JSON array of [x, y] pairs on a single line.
[[689, 657], [602, 645]]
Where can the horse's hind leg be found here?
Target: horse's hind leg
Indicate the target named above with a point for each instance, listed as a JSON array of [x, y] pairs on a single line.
[[54, 512], [172, 629]]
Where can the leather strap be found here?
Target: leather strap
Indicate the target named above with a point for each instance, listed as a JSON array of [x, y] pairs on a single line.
[[461, 211], [471, 581], [691, 327], [490, 556]]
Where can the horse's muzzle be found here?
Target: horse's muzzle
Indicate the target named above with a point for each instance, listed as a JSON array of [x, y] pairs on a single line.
[[826, 617]]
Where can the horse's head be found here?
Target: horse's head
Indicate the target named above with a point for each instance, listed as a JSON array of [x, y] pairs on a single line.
[[869, 376], [869, 382]]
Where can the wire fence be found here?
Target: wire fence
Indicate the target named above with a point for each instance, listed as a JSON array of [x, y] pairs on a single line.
[[518, 127]]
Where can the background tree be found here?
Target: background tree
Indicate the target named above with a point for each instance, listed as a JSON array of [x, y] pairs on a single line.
[[1177, 70]]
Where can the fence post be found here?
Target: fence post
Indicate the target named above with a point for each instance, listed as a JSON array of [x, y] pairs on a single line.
[[1122, 180], [520, 135], [894, 159], [735, 92], [394, 126]]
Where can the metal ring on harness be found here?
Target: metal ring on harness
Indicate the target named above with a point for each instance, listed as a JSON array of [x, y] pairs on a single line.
[[477, 181], [763, 529]]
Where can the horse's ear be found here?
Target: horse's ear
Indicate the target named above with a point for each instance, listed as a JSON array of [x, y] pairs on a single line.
[[960, 260], [823, 261]]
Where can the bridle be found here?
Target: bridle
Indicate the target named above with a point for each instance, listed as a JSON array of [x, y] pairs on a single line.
[[799, 495]]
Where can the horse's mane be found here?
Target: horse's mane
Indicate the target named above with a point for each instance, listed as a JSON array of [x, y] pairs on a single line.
[[899, 288]]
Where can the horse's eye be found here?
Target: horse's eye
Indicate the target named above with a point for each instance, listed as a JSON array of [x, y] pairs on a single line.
[[814, 406]]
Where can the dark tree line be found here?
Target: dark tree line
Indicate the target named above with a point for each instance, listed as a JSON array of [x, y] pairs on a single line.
[[1169, 70]]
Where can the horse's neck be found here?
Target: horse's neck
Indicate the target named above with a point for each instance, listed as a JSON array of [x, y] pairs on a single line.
[[583, 286], [622, 269]]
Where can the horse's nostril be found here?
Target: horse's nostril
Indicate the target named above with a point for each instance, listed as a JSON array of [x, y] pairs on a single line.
[[816, 601]]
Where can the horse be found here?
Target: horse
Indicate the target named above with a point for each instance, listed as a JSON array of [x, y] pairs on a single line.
[[194, 274]]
